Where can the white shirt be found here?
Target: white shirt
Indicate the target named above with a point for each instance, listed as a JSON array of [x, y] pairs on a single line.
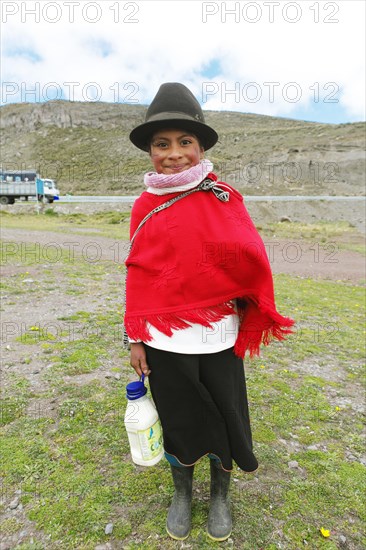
[[197, 339]]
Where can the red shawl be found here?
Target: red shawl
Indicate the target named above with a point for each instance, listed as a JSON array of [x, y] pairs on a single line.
[[188, 261]]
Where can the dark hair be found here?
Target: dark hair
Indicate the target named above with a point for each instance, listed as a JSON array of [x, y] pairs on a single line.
[[175, 128]]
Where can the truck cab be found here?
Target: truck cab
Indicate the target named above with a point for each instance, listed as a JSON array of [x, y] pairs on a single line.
[[48, 190]]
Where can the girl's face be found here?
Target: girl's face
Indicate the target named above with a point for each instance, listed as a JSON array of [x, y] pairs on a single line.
[[173, 151]]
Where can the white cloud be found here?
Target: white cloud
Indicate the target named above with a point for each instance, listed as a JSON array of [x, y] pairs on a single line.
[[170, 42]]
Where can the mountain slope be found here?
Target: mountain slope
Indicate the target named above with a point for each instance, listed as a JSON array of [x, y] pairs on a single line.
[[84, 146]]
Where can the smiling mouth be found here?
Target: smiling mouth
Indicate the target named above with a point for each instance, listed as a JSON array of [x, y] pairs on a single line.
[[178, 167]]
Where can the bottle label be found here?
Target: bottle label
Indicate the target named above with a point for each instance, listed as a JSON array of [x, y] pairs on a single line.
[[151, 441]]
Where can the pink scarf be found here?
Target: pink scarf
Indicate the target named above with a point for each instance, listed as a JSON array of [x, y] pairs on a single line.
[[194, 174]]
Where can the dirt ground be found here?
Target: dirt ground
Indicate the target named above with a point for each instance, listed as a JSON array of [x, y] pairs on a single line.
[[326, 261], [292, 256], [323, 260]]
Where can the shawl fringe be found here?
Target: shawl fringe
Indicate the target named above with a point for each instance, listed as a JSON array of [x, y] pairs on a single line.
[[137, 326], [259, 324], [252, 336]]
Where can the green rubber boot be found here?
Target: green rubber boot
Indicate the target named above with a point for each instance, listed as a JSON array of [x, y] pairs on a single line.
[[219, 523], [178, 523]]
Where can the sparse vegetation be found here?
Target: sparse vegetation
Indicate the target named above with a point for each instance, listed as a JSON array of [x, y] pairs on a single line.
[[100, 223], [85, 147], [63, 438]]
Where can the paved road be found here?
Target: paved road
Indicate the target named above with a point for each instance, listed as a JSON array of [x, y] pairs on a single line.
[[248, 198]]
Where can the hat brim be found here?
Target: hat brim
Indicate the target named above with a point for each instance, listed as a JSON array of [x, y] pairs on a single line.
[[142, 134]]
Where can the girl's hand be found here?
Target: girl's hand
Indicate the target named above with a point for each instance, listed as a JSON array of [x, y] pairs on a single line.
[[138, 359]]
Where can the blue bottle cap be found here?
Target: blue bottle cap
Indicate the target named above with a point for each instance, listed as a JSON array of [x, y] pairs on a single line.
[[136, 389]]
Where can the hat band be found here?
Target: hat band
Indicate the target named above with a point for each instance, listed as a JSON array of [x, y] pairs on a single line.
[[171, 115]]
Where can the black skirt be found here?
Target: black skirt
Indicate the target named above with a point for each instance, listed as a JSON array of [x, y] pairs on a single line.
[[203, 406]]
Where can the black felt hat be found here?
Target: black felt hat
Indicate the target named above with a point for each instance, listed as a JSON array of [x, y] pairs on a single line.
[[174, 106]]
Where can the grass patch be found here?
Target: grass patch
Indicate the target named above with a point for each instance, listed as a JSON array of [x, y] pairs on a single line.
[[329, 323], [74, 469], [327, 237], [14, 398], [321, 230], [111, 224], [81, 357], [10, 526]]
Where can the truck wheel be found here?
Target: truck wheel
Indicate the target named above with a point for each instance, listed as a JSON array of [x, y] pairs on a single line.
[[49, 200], [4, 200]]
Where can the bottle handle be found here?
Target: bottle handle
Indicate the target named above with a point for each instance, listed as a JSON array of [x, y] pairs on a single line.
[[142, 378]]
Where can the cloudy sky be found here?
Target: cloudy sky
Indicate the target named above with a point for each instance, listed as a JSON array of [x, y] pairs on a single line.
[[303, 60]]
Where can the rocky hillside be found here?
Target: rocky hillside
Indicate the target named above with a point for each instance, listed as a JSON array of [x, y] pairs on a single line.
[[85, 147]]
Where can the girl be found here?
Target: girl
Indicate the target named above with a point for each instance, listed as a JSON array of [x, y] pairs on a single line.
[[199, 295]]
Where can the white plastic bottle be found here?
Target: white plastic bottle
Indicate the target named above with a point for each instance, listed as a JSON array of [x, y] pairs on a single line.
[[143, 426]]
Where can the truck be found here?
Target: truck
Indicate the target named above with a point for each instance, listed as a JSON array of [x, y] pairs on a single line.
[[18, 184]]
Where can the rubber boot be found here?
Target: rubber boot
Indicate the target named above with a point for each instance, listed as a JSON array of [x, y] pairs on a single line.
[[219, 523], [178, 523]]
